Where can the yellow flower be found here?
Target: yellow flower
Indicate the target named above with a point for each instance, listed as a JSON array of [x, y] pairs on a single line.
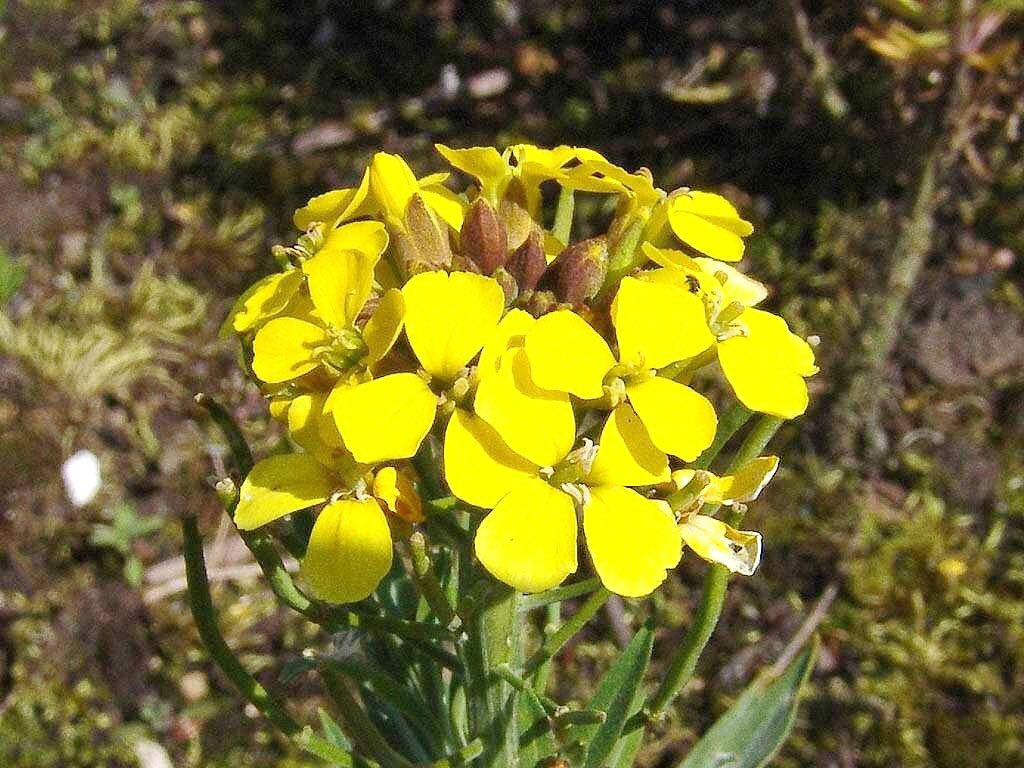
[[336, 206], [709, 223], [530, 166], [763, 361], [655, 325], [350, 547], [715, 540], [393, 186], [447, 318], [767, 365], [528, 539]]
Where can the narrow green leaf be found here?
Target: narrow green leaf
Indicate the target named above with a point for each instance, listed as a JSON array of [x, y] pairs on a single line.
[[325, 749], [332, 731], [616, 694], [755, 727]]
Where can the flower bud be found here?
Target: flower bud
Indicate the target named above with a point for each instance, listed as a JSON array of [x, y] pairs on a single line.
[[429, 236], [508, 285], [484, 237], [518, 223], [581, 270], [527, 263]]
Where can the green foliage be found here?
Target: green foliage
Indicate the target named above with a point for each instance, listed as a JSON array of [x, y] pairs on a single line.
[[757, 725], [12, 275]]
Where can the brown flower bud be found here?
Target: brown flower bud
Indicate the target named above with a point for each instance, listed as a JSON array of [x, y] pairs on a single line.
[[508, 285], [429, 235], [518, 223], [528, 263], [581, 270], [484, 237]]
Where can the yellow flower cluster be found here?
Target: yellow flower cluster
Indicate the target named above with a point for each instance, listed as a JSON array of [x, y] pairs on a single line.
[[551, 378]]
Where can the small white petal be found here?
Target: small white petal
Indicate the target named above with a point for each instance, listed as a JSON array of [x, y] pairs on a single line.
[[82, 481]]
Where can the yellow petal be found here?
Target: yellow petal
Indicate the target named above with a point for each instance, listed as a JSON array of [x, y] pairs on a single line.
[[386, 418], [263, 300], [449, 207], [478, 466], [286, 348], [633, 541], [280, 485], [626, 455], [538, 424], [483, 163], [511, 332], [710, 224], [736, 286], [766, 368], [657, 324], [746, 485], [369, 237], [567, 355], [336, 205], [384, 326], [314, 429], [339, 284], [680, 421], [449, 317], [349, 551], [392, 183], [529, 540], [397, 493], [669, 258], [716, 542]]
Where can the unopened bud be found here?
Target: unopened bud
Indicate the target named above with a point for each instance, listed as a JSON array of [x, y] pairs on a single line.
[[518, 223], [227, 492], [528, 263], [429, 236], [508, 285], [581, 270], [484, 237]]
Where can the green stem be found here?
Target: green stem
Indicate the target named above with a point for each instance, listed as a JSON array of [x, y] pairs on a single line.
[[553, 643], [358, 725], [622, 259], [522, 685], [229, 428], [562, 228], [552, 618], [730, 423], [684, 661], [558, 594], [427, 582], [209, 632]]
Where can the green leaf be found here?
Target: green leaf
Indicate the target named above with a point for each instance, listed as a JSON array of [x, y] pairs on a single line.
[[324, 749], [616, 696], [755, 727]]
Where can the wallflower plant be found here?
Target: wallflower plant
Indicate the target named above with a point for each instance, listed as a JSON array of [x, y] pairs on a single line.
[[485, 418]]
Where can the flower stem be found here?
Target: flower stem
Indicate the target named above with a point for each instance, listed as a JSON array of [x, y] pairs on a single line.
[[427, 582], [206, 622], [728, 425], [622, 259], [684, 662], [562, 228], [558, 594], [553, 643]]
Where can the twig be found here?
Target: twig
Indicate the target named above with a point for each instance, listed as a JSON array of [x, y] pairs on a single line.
[[803, 634]]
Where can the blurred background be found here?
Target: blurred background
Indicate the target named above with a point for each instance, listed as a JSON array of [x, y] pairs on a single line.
[[151, 152]]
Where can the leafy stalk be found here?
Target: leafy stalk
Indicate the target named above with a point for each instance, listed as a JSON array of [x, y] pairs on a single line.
[[684, 661], [206, 622]]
